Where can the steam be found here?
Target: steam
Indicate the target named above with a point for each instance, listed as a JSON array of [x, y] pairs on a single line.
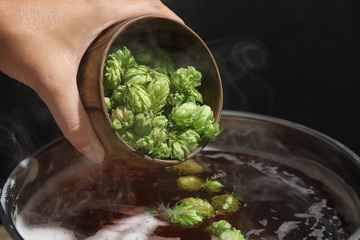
[[25, 124], [241, 60], [75, 189]]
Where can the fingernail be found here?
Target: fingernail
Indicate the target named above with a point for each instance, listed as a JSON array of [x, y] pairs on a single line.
[[93, 153]]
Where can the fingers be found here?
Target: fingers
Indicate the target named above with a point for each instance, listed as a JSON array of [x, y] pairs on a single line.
[[45, 50], [148, 7], [59, 91], [161, 9], [126, 9]]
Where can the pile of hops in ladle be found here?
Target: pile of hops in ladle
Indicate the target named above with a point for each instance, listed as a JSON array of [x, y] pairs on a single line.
[[158, 111]]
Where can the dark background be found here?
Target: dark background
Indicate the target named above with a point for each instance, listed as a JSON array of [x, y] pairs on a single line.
[[311, 70], [292, 59]]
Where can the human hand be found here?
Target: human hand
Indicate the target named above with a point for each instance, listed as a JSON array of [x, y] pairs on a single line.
[[42, 43]]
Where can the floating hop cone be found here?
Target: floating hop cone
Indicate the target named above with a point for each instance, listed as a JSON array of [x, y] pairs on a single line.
[[190, 167], [202, 205], [213, 186], [226, 203], [190, 183], [216, 228], [231, 234], [184, 214]]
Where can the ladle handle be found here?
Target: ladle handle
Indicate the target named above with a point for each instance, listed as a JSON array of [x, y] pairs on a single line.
[[91, 95]]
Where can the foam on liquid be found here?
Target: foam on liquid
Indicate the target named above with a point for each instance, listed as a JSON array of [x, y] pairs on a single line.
[[278, 202]]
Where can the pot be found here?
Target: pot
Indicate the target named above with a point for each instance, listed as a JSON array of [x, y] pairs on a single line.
[[269, 161]]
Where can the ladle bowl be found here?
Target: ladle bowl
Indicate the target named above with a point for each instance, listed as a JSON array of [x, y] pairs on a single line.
[[185, 48]]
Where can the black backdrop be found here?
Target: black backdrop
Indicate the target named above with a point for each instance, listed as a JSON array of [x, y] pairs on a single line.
[[292, 59], [310, 68]]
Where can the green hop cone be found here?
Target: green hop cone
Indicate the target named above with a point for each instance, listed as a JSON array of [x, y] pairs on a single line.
[[185, 78], [122, 118], [140, 75], [126, 59], [202, 205], [113, 72], [145, 144], [162, 151], [117, 125], [213, 186], [184, 214], [137, 99], [108, 104], [231, 234], [189, 167], [169, 125], [190, 138], [158, 91], [159, 135], [179, 150], [193, 95], [118, 96], [175, 98], [219, 227], [224, 204], [211, 131], [190, 183], [129, 137], [143, 124], [161, 122], [183, 115], [204, 118]]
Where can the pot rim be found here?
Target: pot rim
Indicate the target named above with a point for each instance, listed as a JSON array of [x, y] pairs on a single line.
[[226, 114]]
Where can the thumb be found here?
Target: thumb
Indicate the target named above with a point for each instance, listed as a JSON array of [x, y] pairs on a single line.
[[62, 98]]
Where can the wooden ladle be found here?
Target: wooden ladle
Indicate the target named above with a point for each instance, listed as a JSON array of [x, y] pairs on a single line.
[[183, 45]]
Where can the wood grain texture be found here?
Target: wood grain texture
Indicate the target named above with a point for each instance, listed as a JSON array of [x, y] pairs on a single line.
[[184, 47]]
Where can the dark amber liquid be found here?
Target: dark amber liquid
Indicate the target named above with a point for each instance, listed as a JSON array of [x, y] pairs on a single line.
[[278, 202]]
